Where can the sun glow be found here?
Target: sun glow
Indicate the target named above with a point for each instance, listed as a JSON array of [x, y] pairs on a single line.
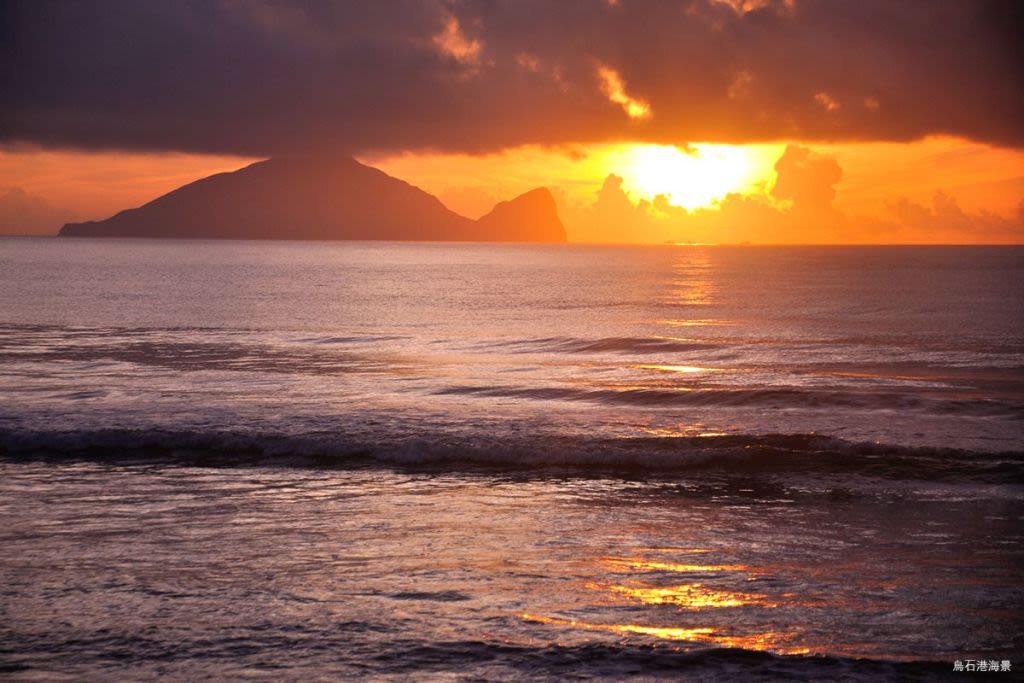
[[698, 176]]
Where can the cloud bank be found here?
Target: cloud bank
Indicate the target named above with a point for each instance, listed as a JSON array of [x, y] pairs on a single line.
[[796, 209], [258, 77], [22, 213]]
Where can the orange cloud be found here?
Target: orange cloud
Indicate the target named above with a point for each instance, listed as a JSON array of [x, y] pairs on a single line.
[[826, 101], [452, 41], [745, 6], [807, 180], [741, 85], [946, 222], [615, 90], [528, 62]]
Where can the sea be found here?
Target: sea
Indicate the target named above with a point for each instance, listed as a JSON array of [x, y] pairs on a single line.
[[268, 461]]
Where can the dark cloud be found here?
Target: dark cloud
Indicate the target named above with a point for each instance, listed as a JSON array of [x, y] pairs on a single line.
[[260, 77]]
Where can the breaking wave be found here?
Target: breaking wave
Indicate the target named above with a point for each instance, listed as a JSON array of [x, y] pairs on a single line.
[[803, 454]]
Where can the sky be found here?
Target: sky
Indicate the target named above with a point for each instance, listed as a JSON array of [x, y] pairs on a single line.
[[712, 121]]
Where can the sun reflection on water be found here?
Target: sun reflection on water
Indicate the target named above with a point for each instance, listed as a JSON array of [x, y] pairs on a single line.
[[680, 369], [691, 284], [690, 596], [628, 563], [696, 322], [688, 431], [724, 622], [769, 640]]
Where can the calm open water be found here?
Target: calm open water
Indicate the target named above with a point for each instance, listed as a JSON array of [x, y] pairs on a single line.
[[277, 461]]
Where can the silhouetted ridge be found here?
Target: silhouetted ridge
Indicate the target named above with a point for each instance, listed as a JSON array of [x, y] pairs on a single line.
[[318, 199], [530, 217]]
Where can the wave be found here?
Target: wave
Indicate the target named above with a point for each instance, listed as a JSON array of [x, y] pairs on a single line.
[[351, 339], [625, 661], [781, 397], [354, 648], [738, 454], [187, 356], [625, 345]]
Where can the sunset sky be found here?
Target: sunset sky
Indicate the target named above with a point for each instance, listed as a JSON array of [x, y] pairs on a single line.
[[716, 121]]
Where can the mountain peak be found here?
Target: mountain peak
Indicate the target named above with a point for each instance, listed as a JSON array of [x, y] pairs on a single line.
[[530, 217], [319, 198]]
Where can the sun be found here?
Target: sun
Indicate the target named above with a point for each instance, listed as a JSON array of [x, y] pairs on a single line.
[[695, 177]]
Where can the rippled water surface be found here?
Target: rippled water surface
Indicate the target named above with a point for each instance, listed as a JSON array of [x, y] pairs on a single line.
[[291, 460], [239, 572]]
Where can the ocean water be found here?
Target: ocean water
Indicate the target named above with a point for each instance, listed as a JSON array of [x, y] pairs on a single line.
[[284, 461]]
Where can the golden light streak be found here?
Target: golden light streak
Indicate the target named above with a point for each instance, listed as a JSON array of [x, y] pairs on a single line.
[[691, 596], [647, 565], [772, 641], [688, 432], [707, 322], [678, 369]]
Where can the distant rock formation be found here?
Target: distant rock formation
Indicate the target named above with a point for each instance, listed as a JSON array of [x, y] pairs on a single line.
[[524, 218], [318, 199]]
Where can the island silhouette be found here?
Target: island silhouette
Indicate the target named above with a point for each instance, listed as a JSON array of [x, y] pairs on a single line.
[[315, 198]]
